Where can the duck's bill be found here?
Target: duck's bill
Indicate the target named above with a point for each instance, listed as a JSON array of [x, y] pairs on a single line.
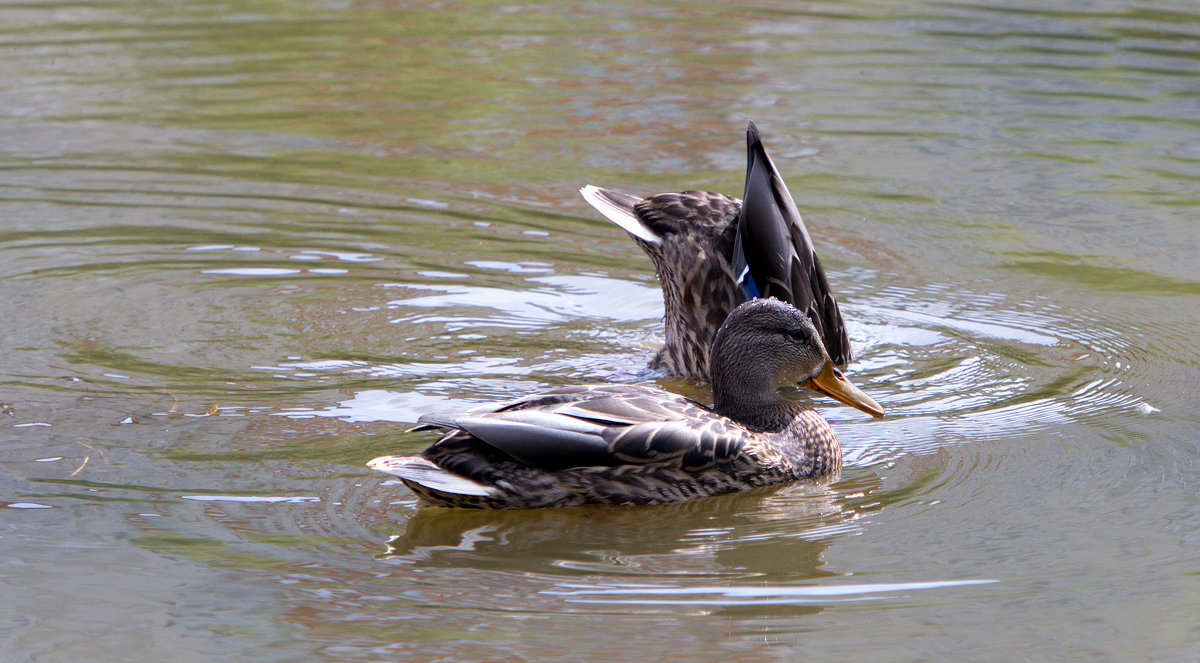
[[833, 384]]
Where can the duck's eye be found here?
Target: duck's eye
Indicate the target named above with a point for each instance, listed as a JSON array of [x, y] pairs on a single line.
[[797, 334]]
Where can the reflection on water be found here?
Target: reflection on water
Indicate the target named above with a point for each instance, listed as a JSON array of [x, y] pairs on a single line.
[[242, 247], [727, 596], [613, 541]]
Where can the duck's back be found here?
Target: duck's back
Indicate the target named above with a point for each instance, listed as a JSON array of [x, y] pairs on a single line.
[[694, 262], [602, 444]]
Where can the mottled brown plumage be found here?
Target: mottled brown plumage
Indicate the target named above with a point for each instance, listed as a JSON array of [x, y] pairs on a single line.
[[712, 252], [634, 444]]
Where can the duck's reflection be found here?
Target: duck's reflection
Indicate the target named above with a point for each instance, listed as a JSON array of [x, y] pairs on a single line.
[[771, 531]]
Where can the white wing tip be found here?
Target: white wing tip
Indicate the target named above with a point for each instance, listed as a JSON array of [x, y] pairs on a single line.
[[618, 215], [421, 471]]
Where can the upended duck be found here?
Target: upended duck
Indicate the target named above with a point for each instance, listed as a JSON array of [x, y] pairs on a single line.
[[713, 252], [625, 444]]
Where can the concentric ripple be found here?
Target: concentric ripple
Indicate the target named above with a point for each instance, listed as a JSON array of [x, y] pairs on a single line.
[[952, 366]]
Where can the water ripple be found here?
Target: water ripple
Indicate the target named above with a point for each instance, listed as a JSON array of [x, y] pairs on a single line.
[[953, 366], [755, 595]]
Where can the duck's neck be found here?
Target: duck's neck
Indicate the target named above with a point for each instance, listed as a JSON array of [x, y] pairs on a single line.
[[754, 404]]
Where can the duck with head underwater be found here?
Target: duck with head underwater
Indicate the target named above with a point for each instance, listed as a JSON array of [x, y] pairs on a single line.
[[713, 252], [624, 444]]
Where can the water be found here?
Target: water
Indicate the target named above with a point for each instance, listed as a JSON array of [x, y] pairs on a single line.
[[242, 246]]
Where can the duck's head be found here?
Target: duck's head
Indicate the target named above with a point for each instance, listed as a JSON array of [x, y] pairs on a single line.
[[766, 344]]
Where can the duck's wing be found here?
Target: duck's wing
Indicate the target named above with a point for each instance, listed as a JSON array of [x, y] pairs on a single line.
[[602, 426], [774, 255]]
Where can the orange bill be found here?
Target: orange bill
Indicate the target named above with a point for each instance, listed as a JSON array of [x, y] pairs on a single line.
[[832, 383]]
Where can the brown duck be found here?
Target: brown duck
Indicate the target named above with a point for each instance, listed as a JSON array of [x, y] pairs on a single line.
[[633, 444], [713, 252]]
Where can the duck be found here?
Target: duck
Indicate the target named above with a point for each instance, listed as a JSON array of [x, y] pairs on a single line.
[[712, 252], [634, 444]]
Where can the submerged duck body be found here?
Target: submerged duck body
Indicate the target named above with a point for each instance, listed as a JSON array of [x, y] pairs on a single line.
[[713, 252], [631, 444]]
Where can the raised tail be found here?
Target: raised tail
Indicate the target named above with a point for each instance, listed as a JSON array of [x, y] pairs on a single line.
[[618, 208], [774, 255]]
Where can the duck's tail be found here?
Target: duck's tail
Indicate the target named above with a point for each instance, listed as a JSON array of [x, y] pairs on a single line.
[[774, 255], [618, 208], [427, 475]]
